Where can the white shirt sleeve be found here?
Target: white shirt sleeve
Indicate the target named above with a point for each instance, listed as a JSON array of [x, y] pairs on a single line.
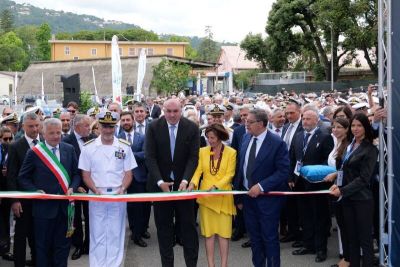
[[84, 160], [130, 161]]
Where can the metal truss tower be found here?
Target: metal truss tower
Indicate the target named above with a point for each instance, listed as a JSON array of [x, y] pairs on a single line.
[[385, 145]]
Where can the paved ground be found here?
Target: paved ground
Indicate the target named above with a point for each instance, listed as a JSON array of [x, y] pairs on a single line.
[[238, 257]]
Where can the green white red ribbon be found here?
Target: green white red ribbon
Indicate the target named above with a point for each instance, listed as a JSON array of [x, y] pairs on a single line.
[[143, 197]]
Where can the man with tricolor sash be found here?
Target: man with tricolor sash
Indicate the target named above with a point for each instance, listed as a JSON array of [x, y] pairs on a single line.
[[51, 167]]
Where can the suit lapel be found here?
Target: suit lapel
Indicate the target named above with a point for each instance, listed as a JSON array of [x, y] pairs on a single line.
[[243, 148], [313, 143], [75, 143], [262, 153], [63, 155]]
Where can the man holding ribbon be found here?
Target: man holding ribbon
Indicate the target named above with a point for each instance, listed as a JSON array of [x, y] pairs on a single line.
[[51, 167]]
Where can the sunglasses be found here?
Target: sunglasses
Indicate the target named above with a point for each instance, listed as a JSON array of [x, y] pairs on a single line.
[[7, 139], [107, 126], [6, 114], [71, 110]]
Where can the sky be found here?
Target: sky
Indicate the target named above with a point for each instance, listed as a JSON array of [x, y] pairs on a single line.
[[230, 20]]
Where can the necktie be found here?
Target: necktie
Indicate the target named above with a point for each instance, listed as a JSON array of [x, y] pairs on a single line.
[[129, 138], [287, 136], [277, 130], [172, 140], [250, 162], [84, 139], [305, 141], [34, 142], [54, 149], [140, 128]]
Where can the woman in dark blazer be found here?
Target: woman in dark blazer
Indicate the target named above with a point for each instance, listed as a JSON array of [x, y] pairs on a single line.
[[355, 190]]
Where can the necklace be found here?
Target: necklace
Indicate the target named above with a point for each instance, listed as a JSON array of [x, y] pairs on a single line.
[[214, 169]]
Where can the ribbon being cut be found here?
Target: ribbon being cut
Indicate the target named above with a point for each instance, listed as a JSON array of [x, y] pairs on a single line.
[[142, 197]]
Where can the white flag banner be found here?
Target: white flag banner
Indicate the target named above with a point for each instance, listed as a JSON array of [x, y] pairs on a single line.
[[95, 88], [42, 88], [116, 70], [141, 73]]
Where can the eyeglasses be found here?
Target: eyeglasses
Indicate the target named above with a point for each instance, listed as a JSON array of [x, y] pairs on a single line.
[[107, 126], [5, 139], [6, 114], [71, 110]]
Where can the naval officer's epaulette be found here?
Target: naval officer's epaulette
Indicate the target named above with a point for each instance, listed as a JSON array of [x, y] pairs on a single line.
[[88, 142], [124, 141]]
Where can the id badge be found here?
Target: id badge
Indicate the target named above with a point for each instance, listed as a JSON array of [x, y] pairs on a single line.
[[299, 164], [339, 178]]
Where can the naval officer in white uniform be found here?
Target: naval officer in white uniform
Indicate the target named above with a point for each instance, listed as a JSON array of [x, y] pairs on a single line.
[[107, 163]]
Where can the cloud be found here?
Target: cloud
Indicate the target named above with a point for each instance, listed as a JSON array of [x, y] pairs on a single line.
[[230, 20]]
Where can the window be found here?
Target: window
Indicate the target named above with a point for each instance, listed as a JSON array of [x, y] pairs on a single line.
[[93, 51], [120, 51], [170, 51], [150, 51], [76, 58], [67, 50], [131, 51]]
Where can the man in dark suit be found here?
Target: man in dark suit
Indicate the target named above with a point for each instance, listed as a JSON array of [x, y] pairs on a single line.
[[170, 168], [263, 167], [22, 209], [290, 213], [38, 173], [138, 212], [78, 137], [154, 109], [311, 147], [140, 123]]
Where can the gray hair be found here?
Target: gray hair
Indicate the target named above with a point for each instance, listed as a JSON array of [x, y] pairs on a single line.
[[30, 116], [260, 115], [313, 108], [51, 122], [276, 110], [327, 110], [246, 106], [79, 118]]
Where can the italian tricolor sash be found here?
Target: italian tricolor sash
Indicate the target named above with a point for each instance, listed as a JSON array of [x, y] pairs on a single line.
[[55, 166]]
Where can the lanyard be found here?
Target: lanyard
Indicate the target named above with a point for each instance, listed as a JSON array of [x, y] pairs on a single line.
[[350, 150]]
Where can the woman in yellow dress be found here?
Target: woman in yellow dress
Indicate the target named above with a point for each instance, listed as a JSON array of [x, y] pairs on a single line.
[[217, 164]]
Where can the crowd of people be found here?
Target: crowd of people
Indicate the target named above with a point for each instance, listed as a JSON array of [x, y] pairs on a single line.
[[185, 143]]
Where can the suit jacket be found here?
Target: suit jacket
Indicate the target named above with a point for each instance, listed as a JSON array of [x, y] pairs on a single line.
[[238, 133], [140, 172], [155, 112], [271, 168], [158, 155], [35, 175], [358, 171], [286, 127], [319, 147]]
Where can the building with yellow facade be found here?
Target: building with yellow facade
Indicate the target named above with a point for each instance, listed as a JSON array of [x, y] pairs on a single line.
[[75, 49]]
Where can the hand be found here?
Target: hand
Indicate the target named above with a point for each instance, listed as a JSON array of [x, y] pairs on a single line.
[[291, 185], [335, 191], [121, 191], [240, 206], [379, 114], [330, 177], [371, 88], [16, 207], [212, 188], [70, 191], [254, 191], [190, 187], [182, 186], [96, 191], [165, 186], [81, 189], [4, 171]]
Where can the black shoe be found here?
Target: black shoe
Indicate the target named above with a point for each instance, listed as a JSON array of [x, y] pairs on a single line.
[[29, 263], [321, 256], [146, 235], [236, 236], [297, 244], [8, 256], [246, 244], [140, 242], [288, 238], [77, 254], [302, 251]]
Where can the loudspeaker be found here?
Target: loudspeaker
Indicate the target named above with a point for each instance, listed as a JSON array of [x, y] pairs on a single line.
[[129, 90], [71, 88]]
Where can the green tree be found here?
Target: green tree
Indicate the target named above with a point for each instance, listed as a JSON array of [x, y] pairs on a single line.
[[244, 79], [6, 21], [43, 35], [12, 54], [208, 48], [85, 101], [170, 77], [27, 34], [190, 52]]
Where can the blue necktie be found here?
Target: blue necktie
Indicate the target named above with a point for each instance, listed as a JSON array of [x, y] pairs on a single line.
[[305, 142], [172, 140]]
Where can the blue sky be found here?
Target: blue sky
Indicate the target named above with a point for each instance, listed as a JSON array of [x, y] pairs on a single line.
[[230, 20]]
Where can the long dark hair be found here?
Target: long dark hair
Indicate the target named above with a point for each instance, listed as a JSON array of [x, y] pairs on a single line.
[[361, 117], [346, 141], [346, 110]]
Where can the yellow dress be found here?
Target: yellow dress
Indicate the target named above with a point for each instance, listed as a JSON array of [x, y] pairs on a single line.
[[216, 211]]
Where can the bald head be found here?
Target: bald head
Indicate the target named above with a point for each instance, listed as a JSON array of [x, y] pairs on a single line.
[[172, 110]]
